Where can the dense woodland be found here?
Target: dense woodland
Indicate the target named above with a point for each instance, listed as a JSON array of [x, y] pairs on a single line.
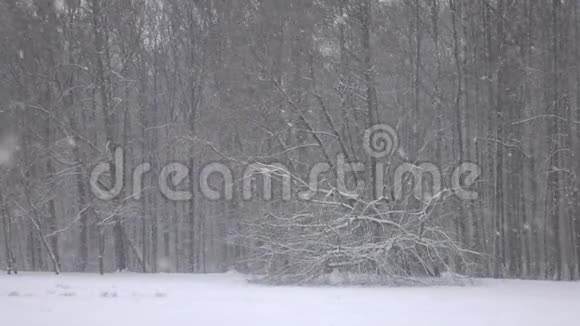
[[293, 83]]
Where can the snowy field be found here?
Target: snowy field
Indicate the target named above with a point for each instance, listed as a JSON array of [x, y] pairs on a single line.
[[33, 299]]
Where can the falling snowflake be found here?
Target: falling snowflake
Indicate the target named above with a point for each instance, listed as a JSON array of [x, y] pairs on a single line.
[[8, 146]]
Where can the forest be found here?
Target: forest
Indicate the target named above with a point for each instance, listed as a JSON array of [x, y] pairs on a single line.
[[288, 88]]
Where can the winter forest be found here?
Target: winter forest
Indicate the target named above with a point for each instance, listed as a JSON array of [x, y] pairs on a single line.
[[287, 89]]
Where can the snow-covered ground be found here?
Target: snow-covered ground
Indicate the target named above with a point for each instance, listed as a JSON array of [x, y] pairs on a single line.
[[32, 299]]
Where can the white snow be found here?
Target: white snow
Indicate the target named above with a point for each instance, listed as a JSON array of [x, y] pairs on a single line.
[[126, 299]]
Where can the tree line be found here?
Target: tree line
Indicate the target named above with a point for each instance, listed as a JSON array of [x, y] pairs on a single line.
[[491, 82]]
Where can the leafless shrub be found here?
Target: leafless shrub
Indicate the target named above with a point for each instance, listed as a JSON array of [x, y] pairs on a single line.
[[336, 235]]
